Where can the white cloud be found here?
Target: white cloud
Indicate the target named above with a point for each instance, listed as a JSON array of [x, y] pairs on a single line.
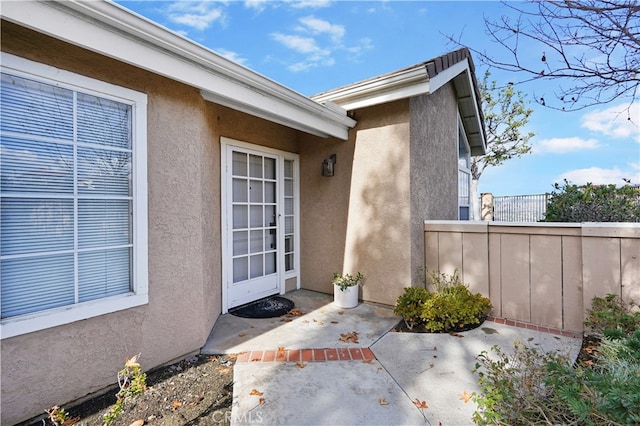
[[198, 15], [320, 26], [297, 43], [301, 4], [233, 56], [600, 176], [564, 145], [620, 121]]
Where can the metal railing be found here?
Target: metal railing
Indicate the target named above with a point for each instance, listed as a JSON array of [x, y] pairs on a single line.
[[520, 208]]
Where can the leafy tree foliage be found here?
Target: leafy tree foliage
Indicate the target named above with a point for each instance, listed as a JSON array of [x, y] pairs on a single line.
[[592, 45], [506, 114], [593, 203]]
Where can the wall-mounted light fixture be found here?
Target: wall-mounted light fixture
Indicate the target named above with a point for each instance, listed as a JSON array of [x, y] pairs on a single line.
[[328, 166]]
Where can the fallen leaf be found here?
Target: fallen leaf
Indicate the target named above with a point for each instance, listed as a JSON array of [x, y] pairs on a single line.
[[383, 401], [220, 369], [136, 423], [320, 323], [261, 401], [295, 312], [368, 360], [176, 404], [281, 349], [305, 321], [315, 320], [334, 322], [195, 401], [132, 362], [420, 404], [349, 337], [465, 396], [286, 319], [457, 335], [73, 421], [340, 312], [256, 392], [301, 364], [241, 335]]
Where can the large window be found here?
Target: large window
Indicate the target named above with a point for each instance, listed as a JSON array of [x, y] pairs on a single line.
[[73, 197], [464, 174]]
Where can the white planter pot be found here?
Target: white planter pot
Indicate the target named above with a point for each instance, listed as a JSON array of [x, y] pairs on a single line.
[[345, 299]]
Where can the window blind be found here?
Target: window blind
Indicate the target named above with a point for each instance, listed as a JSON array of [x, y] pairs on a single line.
[[66, 196]]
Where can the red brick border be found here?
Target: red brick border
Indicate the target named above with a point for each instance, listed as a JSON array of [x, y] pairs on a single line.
[[540, 328], [306, 355]]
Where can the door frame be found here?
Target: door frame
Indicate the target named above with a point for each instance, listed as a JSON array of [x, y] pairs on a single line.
[[283, 276]]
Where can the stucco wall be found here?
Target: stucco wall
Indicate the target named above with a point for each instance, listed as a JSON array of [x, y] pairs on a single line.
[[60, 364], [358, 220], [434, 164]]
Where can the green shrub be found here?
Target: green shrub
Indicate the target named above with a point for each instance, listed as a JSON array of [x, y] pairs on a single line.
[[451, 306], [535, 388], [609, 316], [513, 389], [409, 305], [593, 203], [454, 308]]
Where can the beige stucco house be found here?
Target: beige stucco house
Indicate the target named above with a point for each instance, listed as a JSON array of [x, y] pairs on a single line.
[[149, 185]]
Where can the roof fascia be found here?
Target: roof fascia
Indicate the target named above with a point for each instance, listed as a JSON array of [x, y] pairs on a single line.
[[386, 88], [111, 30]]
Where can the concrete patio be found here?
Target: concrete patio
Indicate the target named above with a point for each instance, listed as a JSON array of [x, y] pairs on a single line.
[[313, 369]]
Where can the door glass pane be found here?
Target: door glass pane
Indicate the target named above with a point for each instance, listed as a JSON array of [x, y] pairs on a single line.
[[256, 217], [288, 169], [270, 263], [255, 191], [272, 242], [257, 242], [288, 206], [288, 188], [270, 168], [288, 244], [288, 225], [288, 262], [240, 243], [239, 191], [240, 217], [255, 166], [256, 266], [239, 164], [270, 192], [270, 215], [240, 269]]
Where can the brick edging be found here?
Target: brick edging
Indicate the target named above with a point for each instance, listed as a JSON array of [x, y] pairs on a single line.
[[306, 355], [540, 328]]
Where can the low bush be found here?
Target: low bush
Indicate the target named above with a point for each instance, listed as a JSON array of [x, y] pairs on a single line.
[[536, 388], [450, 307], [609, 314]]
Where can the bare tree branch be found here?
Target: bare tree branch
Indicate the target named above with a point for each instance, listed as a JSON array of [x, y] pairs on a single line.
[[592, 47]]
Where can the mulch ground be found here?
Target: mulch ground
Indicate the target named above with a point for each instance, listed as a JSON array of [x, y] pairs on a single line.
[[195, 391]]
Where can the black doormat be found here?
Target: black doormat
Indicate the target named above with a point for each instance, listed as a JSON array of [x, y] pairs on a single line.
[[269, 307]]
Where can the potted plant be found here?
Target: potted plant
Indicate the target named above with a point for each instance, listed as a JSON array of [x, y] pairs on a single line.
[[345, 289]]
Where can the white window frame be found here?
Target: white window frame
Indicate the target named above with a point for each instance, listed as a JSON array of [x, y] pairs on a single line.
[[224, 194], [15, 326], [462, 140]]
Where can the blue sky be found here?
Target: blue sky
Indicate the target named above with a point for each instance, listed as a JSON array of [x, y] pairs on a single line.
[[313, 46]]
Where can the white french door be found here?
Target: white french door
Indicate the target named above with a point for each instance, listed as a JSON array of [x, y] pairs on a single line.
[[260, 221], [252, 225]]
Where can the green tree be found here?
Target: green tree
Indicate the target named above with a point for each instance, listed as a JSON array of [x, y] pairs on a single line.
[[593, 203], [506, 114]]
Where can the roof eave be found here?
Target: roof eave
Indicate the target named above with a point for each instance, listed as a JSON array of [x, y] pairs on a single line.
[[111, 30]]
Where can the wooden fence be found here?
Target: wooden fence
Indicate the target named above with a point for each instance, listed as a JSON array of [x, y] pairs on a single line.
[[540, 273]]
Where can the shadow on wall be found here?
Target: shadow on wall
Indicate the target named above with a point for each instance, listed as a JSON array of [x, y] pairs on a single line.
[[378, 234]]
